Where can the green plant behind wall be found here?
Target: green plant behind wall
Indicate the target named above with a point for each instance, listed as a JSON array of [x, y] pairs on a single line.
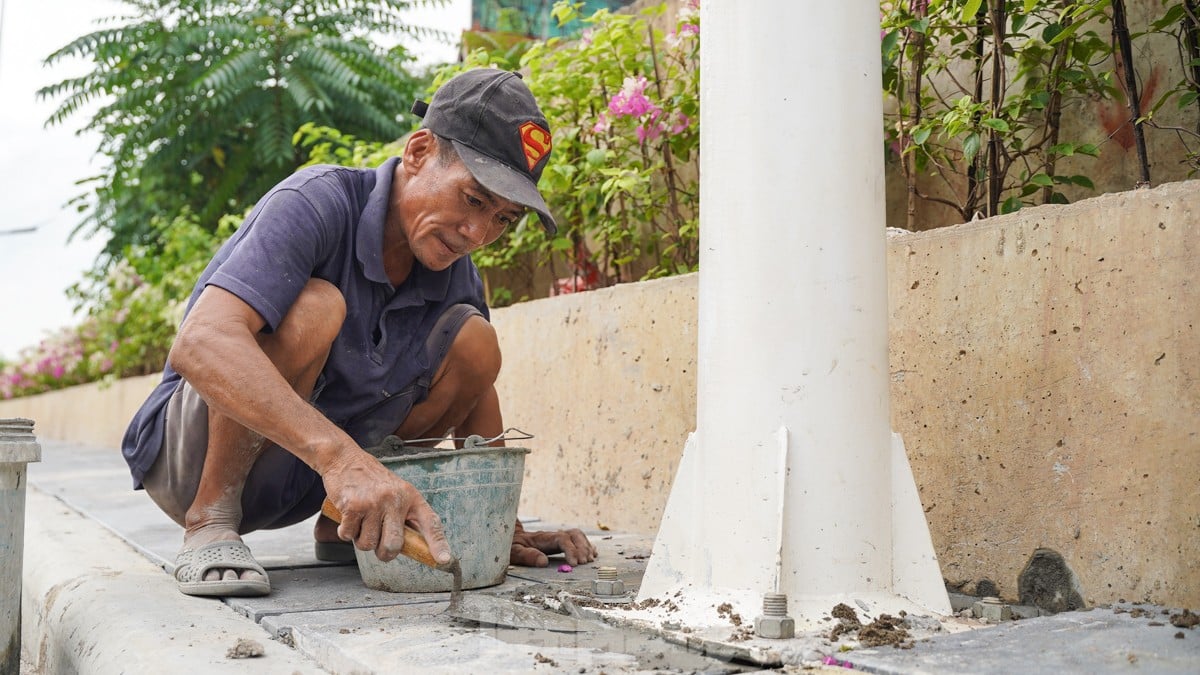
[[623, 105], [980, 88]]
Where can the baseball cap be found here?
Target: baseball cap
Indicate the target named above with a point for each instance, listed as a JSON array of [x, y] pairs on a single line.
[[494, 123]]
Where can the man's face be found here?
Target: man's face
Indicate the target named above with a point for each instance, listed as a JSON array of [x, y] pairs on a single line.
[[447, 214]]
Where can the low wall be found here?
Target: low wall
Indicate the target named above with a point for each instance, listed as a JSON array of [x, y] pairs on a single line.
[[1044, 374]]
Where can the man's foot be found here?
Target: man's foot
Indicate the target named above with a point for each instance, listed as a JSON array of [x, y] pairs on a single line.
[[203, 571], [237, 570]]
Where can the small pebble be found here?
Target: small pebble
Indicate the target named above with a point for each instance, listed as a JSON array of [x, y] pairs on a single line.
[[245, 649], [565, 568]]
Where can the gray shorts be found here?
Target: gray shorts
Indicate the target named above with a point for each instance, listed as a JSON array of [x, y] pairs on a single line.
[[281, 490]]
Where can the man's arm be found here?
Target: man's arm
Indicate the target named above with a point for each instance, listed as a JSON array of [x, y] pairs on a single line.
[[218, 352]]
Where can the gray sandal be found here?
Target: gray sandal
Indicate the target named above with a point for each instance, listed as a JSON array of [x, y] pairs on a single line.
[[192, 564]]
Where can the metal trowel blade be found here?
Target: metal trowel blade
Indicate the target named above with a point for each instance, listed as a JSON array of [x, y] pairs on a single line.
[[491, 610]]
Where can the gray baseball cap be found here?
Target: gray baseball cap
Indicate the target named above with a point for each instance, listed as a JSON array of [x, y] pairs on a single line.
[[494, 123]]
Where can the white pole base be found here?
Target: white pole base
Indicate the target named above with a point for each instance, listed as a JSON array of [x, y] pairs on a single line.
[[678, 569]]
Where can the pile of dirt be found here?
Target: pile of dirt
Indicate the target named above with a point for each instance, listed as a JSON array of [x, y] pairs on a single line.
[[886, 630], [1185, 619]]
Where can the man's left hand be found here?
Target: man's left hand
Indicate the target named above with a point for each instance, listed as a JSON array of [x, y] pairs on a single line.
[[530, 549]]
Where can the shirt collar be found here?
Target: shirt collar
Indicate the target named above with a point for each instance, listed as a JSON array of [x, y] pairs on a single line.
[[369, 241]]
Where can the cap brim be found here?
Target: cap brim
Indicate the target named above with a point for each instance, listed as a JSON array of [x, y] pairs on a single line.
[[502, 180]]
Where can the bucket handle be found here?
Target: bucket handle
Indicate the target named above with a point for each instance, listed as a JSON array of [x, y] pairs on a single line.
[[395, 443]]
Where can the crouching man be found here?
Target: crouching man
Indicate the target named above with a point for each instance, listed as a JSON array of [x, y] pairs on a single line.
[[343, 310]]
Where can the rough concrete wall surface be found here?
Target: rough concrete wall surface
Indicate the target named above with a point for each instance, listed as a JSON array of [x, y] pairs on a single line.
[[606, 380], [1044, 377], [91, 413]]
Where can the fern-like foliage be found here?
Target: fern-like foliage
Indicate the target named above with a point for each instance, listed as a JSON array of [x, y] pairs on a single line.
[[199, 100]]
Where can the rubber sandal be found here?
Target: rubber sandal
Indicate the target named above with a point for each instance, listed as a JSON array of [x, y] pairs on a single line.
[[334, 551], [192, 564]]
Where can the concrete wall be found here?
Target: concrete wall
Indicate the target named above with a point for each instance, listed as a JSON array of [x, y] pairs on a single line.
[[1045, 370], [90, 413]]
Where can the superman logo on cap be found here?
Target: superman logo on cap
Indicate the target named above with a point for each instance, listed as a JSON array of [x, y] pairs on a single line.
[[535, 142]]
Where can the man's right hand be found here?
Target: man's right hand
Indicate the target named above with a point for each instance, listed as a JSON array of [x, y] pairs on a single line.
[[375, 505]]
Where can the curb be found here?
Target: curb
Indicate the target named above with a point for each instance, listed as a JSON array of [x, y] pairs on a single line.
[[92, 604]]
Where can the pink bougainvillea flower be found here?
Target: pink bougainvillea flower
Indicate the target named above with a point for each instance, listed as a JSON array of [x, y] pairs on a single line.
[[681, 124], [602, 124], [631, 101]]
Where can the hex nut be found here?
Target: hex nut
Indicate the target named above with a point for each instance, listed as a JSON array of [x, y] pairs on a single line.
[[775, 627], [992, 610], [616, 587]]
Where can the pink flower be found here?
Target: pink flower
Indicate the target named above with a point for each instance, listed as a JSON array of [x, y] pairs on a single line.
[[585, 38], [602, 124], [681, 125], [631, 100], [689, 29], [59, 371]]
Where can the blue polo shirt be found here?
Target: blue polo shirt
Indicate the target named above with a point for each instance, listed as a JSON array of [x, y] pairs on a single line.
[[327, 222]]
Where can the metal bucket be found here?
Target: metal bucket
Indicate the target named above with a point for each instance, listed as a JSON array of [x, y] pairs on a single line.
[[475, 491]]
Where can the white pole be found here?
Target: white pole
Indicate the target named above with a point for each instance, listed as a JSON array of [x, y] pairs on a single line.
[[793, 287], [793, 311]]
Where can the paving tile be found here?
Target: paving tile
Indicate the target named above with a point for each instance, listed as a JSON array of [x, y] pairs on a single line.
[[96, 482], [323, 588], [420, 638], [1095, 641]]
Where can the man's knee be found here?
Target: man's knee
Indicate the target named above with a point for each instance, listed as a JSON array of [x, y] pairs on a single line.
[[474, 356], [313, 321]]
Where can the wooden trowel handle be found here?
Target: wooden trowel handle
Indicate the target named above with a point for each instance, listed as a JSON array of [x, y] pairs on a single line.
[[414, 544]]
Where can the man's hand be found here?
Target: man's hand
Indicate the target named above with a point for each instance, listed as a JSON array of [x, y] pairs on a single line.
[[529, 549], [375, 504]]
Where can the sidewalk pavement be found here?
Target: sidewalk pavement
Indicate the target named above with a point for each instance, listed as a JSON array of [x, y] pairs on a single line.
[[98, 598]]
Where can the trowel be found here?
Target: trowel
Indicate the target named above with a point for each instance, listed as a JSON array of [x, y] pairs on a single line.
[[485, 609]]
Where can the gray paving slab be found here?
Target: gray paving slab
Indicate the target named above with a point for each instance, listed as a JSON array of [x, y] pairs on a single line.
[[319, 589], [422, 638], [95, 481], [1095, 641]]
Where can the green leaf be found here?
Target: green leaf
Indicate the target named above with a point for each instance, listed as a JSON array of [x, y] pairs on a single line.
[[1088, 149], [971, 148], [970, 9], [1029, 5], [596, 157], [1011, 204], [889, 43], [1064, 149], [1188, 98], [1042, 180], [1173, 15], [1083, 181], [921, 135], [1065, 33], [996, 124]]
